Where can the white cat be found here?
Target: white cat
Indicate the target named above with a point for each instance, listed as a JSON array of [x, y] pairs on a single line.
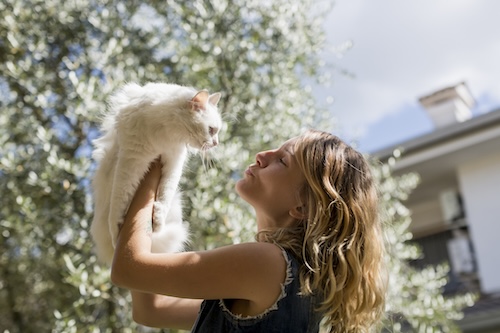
[[142, 123]]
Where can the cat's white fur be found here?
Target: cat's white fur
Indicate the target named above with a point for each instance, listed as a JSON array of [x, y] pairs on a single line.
[[142, 123]]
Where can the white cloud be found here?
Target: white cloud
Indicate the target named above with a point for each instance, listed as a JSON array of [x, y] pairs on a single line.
[[406, 49]]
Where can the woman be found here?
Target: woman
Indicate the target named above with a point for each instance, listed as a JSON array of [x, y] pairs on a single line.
[[318, 255]]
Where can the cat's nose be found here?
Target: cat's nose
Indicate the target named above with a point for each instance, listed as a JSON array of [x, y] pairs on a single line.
[[215, 142]]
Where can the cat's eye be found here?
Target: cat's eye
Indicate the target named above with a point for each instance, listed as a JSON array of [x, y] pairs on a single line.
[[212, 130]]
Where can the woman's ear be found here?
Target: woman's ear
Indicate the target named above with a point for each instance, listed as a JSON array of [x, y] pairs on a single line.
[[298, 212]]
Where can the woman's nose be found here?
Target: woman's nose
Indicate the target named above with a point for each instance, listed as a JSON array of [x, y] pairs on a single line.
[[259, 159], [262, 158]]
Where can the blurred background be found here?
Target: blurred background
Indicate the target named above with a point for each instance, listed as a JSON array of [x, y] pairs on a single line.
[[405, 83]]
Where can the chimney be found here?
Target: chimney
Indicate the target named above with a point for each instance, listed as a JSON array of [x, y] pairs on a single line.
[[449, 105]]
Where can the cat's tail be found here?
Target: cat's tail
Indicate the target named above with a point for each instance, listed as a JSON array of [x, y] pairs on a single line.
[[105, 145], [101, 187], [99, 231], [104, 249]]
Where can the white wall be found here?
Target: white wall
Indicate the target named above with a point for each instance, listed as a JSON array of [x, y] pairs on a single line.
[[480, 188], [426, 216]]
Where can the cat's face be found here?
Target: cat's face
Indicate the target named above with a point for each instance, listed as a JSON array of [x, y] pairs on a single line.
[[207, 121]]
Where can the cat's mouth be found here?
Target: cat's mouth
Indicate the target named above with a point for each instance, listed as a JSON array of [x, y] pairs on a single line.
[[206, 146]]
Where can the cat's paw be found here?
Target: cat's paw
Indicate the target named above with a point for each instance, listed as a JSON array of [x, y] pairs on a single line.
[[160, 212]]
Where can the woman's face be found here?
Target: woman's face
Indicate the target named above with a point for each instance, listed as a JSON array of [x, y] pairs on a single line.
[[272, 184]]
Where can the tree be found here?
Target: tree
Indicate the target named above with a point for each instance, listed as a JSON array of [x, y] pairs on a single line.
[[59, 61], [415, 297]]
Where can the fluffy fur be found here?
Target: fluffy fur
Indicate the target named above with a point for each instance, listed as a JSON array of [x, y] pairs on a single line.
[[142, 123]]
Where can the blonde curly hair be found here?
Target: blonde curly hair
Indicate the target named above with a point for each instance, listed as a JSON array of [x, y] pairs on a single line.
[[339, 240]]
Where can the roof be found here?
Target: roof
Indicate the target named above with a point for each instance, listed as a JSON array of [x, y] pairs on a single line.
[[447, 133]]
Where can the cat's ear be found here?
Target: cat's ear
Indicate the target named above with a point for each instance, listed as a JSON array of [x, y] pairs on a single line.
[[199, 100], [214, 98]]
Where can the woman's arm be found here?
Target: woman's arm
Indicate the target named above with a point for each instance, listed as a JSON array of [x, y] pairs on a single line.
[[152, 309], [164, 311], [252, 271]]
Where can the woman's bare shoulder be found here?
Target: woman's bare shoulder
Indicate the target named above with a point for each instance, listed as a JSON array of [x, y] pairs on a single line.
[[267, 250], [261, 259], [263, 272]]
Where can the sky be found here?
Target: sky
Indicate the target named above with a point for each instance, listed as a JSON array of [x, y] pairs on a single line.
[[401, 50]]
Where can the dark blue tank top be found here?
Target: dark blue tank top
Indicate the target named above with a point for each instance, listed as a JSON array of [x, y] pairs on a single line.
[[291, 313]]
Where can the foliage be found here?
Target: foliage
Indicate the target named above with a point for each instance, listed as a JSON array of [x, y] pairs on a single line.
[[60, 60]]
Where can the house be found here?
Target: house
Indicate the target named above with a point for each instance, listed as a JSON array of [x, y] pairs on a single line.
[[456, 207]]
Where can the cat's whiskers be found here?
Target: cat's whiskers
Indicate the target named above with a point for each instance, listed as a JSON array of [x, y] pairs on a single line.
[[203, 155], [207, 158]]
